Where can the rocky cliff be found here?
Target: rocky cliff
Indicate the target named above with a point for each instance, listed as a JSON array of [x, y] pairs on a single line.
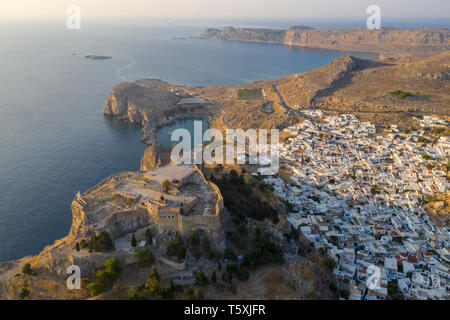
[[414, 42], [135, 102]]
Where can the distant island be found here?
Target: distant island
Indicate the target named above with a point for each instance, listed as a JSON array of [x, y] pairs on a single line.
[[95, 57], [391, 42]]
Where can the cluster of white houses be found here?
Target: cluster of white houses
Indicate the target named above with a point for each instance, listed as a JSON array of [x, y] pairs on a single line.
[[357, 195]]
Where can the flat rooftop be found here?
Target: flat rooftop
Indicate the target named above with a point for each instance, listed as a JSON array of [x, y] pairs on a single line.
[[170, 172]]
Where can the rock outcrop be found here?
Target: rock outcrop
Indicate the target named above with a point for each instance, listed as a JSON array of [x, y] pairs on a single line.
[[155, 156], [439, 209], [418, 42], [136, 103]]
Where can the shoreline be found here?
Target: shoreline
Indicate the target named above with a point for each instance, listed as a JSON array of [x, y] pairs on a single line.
[[391, 42]]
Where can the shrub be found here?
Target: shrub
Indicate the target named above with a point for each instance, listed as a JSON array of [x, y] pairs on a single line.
[[401, 94], [157, 288], [83, 244], [201, 279], [100, 242], [242, 200], [133, 241], [144, 255], [265, 252], [166, 185], [176, 248], [24, 293], [330, 263], [26, 269], [148, 236], [94, 288], [105, 276], [213, 277], [243, 274], [229, 254]]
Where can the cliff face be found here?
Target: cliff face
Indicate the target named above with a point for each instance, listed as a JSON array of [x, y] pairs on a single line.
[[136, 103], [423, 41]]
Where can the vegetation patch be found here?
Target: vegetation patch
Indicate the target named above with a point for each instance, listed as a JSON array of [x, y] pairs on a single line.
[[155, 287], [105, 277], [250, 94], [265, 252], [240, 198], [145, 256], [101, 242], [267, 107], [176, 248], [401, 94]]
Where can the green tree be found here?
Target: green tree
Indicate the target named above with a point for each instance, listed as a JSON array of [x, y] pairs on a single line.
[[166, 185], [214, 277], [194, 240], [176, 248], [26, 269], [154, 273], [134, 293], [100, 242], [229, 254], [144, 255], [94, 288], [133, 241], [148, 236], [330, 263], [24, 293], [83, 244], [243, 274], [105, 276], [200, 278]]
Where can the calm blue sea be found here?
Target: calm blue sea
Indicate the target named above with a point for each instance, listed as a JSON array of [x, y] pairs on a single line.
[[54, 138]]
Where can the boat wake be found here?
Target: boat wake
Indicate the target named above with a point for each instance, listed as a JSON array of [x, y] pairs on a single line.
[[119, 71]]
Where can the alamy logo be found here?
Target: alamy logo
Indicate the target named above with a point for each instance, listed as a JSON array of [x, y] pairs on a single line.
[[257, 151], [374, 20], [74, 279], [74, 19], [373, 277]]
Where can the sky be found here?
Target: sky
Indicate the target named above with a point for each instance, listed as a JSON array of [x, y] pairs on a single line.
[[225, 8]]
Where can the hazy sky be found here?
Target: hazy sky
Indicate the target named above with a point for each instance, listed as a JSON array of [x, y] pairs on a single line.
[[226, 8]]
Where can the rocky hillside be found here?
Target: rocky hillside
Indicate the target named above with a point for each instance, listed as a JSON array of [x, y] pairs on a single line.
[[438, 207], [353, 84], [309, 86], [413, 42]]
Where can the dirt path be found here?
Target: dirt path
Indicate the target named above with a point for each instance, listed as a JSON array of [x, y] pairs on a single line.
[[4, 277]]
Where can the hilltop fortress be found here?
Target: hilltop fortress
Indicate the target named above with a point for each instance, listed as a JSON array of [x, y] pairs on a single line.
[[169, 198]]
